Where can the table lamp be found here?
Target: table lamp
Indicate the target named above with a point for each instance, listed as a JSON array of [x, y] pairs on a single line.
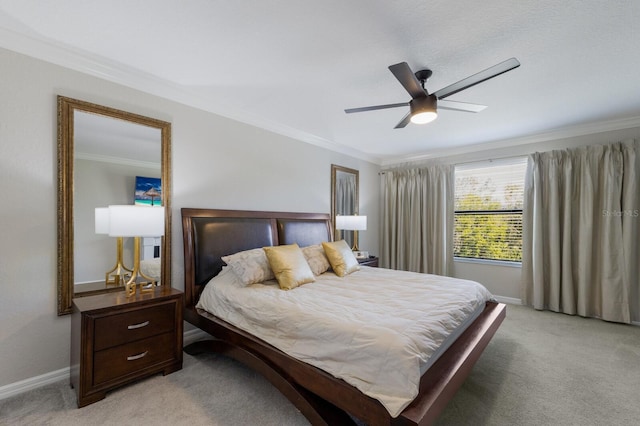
[[353, 223], [136, 221], [111, 277]]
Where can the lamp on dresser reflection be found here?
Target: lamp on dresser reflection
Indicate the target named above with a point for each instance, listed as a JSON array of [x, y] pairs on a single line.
[[353, 223], [137, 222], [114, 276]]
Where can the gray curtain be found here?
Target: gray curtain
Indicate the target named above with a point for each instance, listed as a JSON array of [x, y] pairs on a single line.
[[345, 193], [581, 231], [417, 219]]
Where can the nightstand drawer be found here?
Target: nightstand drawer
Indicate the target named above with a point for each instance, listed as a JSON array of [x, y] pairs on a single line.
[[114, 330], [125, 359]]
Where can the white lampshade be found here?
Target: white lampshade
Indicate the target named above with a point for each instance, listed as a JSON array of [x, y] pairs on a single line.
[[351, 223], [102, 220], [136, 221]]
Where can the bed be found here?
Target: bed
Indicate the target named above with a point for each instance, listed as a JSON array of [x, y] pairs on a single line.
[[324, 399]]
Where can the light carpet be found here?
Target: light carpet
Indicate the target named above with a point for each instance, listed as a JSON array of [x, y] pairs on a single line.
[[541, 368]]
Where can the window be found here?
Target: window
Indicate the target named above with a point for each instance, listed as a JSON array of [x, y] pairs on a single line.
[[488, 210]]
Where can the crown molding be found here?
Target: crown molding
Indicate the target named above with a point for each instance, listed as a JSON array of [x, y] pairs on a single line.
[[91, 64], [117, 160], [555, 134], [103, 68]]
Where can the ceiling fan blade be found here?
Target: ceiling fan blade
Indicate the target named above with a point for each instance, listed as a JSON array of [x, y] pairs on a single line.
[[375, 107], [407, 78], [405, 120], [460, 106], [485, 75]]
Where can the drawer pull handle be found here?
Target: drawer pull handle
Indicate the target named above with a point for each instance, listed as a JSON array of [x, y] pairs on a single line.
[[134, 326], [134, 357]]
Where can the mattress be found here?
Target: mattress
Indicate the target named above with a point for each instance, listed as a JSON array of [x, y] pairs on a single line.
[[377, 329]]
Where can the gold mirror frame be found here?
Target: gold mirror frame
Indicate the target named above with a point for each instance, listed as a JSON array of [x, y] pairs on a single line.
[[356, 209], [66, 109]]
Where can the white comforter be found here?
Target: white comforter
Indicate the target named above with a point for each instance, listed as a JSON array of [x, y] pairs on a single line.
[[374, 329]]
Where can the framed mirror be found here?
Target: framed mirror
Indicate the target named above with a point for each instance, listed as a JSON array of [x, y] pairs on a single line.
[[105, 156], [344, 197]]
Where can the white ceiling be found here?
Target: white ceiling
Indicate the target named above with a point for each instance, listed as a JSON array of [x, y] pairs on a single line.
[[293, 66]]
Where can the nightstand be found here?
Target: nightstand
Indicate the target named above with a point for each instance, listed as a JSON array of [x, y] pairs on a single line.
[[117, 339], [369, 261]]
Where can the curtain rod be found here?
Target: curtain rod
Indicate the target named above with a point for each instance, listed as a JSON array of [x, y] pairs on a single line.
[[407, 166]]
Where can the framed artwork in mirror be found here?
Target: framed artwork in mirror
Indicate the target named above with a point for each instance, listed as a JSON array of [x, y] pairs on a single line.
[[148, 191]]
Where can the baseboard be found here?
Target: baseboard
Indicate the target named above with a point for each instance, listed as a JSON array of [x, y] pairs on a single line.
[[508, 300], [26, 385], [514, 301]]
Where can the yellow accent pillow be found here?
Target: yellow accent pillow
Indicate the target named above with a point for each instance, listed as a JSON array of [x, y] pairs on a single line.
[[289, 266], [343, 262]]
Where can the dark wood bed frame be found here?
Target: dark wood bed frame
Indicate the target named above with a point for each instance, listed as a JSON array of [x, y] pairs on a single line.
[[323, 400]]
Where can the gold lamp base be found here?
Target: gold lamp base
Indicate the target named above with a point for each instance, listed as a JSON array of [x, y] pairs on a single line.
[[147, 284], [117, 275], [355, 241]]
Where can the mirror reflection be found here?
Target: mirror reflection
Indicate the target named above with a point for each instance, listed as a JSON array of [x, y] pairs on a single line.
[[115, 162], [344, 197], [108, 157]]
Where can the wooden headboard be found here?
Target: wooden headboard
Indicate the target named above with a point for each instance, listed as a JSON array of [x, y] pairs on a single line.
[[210, 234]]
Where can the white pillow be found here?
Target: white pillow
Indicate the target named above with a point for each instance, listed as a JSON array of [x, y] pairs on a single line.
[[316, 258], [250, 266], [225, 276]]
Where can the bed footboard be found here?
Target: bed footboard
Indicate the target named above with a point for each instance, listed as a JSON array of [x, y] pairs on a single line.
[[440, 383], [325, 400]]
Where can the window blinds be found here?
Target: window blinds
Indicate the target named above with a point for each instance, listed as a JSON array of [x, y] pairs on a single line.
[[488, 209]]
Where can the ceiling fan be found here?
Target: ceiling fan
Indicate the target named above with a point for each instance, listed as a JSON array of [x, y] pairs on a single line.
[[423, 106]]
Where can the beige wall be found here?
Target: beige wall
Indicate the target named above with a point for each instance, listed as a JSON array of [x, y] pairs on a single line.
[[217, 163]]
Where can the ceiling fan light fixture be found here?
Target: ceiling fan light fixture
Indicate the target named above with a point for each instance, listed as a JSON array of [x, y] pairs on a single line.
[[424, 110]]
